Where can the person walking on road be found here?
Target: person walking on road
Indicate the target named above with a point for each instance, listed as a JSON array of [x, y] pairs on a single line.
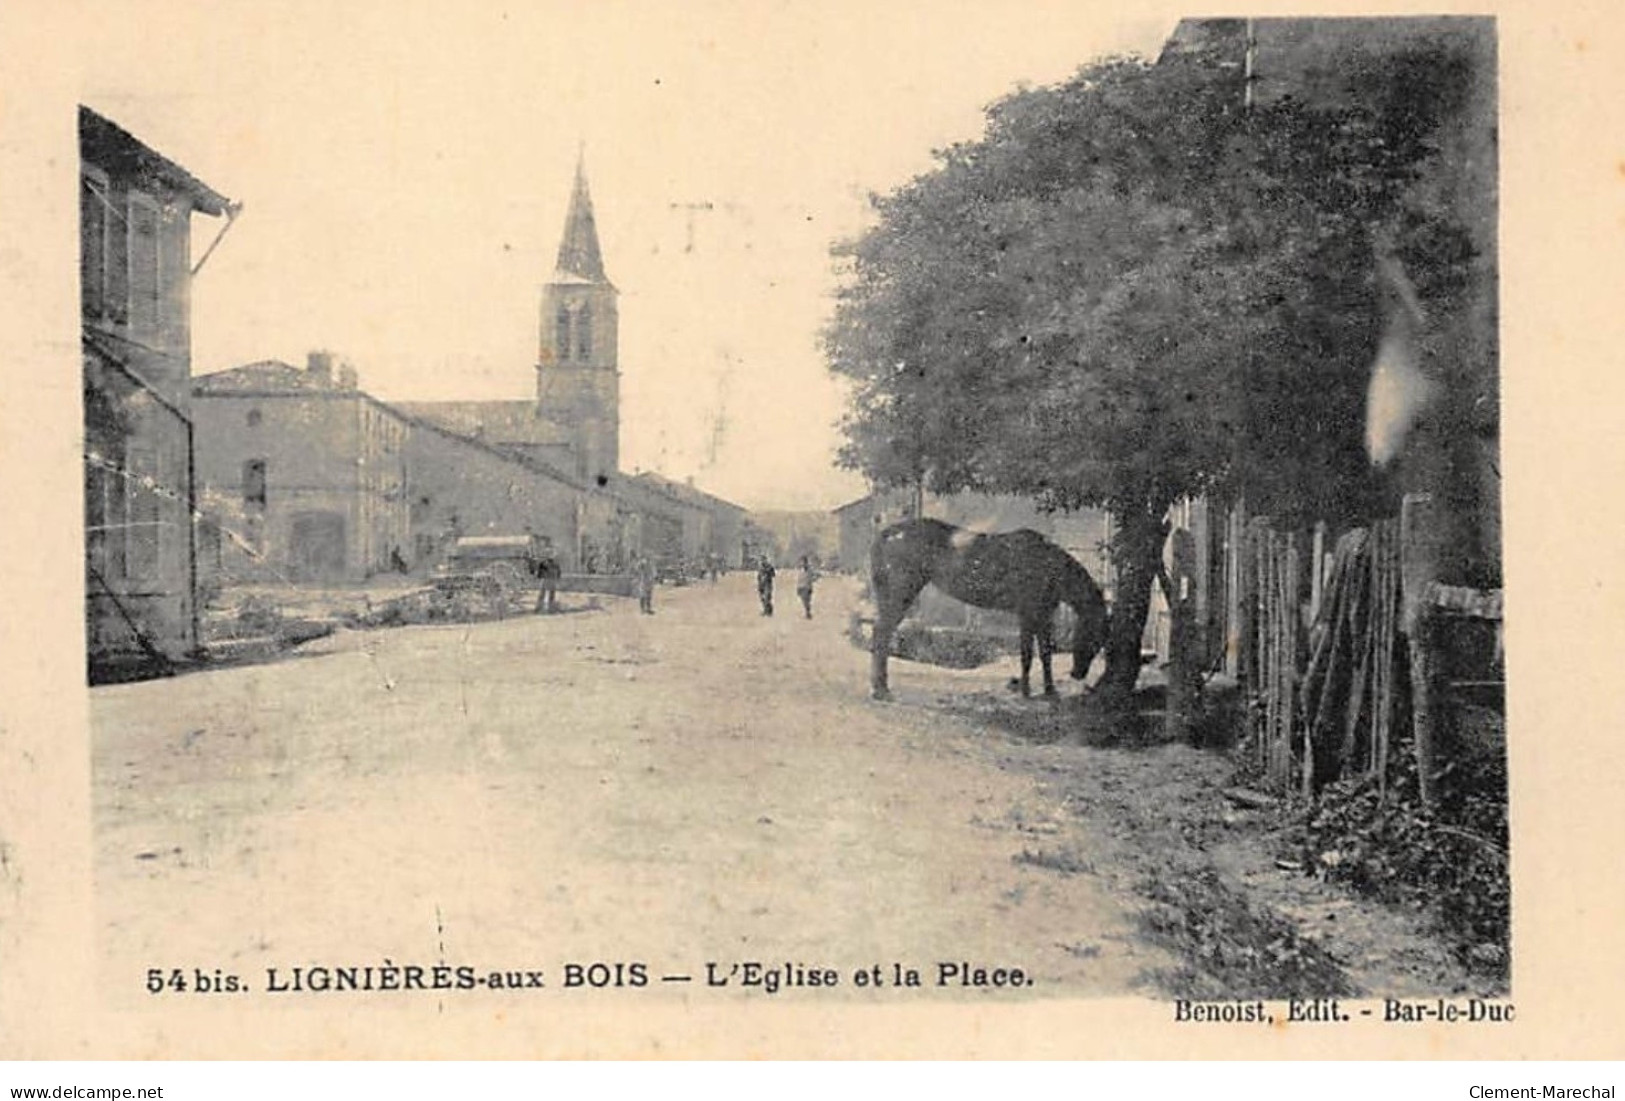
[[804, 583], [764, 583], [643, 573], [545, 567]]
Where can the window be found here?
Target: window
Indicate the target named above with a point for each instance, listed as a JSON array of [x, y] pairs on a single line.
[[92, 245], [254, 483], [104, 516], [144, 263], [145, 524], [561, 332], [174, 276], [584, 333], [254, 418]]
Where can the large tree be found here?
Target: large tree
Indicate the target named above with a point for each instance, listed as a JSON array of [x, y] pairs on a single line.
[[1133, 289]]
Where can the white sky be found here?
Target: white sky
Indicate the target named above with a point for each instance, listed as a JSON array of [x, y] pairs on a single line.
[[405, 168]]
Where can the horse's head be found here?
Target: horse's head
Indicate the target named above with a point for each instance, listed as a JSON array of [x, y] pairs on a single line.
[[1089, 628]]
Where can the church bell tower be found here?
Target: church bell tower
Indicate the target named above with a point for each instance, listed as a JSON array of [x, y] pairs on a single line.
[[578, 382]]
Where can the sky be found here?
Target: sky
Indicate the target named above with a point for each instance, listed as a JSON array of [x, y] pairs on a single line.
[[404, 170]]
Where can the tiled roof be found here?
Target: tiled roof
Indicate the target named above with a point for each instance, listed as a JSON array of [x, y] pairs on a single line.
[[109, 146]]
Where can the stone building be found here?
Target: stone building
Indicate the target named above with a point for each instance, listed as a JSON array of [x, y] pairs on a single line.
[[573, 423], [461, 486], [305, 474], [710, 524], [135, 213], [571, 429]]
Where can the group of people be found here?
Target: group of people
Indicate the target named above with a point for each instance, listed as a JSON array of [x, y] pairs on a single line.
[[765, 573], [643, 577], [545, 567]]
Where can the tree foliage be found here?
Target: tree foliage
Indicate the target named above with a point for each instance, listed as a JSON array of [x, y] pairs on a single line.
[[1133, 289]]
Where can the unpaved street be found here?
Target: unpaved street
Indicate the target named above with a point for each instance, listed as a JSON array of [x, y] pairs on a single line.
[[705, 785]]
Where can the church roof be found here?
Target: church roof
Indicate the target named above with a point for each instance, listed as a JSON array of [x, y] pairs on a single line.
[[579, 257], [495, 422]]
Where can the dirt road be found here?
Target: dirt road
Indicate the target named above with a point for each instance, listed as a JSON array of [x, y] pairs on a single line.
[[690, 791]]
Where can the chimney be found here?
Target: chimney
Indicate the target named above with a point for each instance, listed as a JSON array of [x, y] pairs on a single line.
[[319, 365]]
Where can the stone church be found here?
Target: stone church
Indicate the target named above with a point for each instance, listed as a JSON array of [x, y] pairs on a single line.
[[574, 423]]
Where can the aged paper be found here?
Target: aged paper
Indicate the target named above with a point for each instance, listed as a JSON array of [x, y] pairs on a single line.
[[71, 985]]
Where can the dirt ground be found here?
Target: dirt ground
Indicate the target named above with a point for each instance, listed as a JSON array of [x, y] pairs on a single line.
[[692, 791]]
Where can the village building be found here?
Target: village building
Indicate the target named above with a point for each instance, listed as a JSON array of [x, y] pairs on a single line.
[[572, 426], [308, 478], [135, 211], [462, 486], [711, 527], [573, 422], [304, 475]]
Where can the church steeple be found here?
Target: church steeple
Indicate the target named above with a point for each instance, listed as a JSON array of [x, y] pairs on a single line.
[[578, 381], [579, 256]]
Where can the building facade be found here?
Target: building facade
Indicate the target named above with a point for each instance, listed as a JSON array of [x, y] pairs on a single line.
[[710, 525], [578, 381], [461, 486], [570, 433], [135, 212], [305, 475], [573, 423]]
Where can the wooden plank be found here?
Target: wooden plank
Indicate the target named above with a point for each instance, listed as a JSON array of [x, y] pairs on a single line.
[[1422, 700]]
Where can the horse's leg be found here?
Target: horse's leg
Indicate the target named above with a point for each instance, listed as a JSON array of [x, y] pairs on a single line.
[[879, 651], [890, 608], [1046, 653], [1026, 660]]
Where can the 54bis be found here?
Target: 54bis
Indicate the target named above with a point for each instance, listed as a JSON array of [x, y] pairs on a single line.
[[199, 982]]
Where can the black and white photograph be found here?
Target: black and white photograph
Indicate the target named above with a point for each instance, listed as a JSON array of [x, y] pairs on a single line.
[[832, 531]]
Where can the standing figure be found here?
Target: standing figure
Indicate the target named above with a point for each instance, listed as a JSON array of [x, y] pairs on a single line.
[[545, 566], [643, 572], [764, 583], [804, 583]]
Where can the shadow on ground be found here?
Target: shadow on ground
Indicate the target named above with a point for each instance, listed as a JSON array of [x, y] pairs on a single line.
[[1075, 720]]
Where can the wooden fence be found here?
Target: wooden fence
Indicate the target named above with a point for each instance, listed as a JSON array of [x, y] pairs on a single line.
[[1321, 642]]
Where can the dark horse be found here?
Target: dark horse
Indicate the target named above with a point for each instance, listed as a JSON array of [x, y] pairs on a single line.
[[1020, 572]]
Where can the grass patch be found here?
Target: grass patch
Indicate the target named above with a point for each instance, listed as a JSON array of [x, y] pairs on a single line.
[[1449, 860], [1231, 948]]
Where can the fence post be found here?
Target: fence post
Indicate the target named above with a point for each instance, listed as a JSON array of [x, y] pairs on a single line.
[[1183, 675], [1420, 533], [1423, 712]]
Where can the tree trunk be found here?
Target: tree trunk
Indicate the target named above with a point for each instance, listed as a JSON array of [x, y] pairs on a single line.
[[1137, 553]]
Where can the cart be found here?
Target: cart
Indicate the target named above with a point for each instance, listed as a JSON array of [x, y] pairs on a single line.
[[484, 574]]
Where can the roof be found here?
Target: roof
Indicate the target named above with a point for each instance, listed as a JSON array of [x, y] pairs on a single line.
[[507, 454], [685, 493], [579, 257], [115, 150], [272, 378], [266, 374], [495, 422]]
